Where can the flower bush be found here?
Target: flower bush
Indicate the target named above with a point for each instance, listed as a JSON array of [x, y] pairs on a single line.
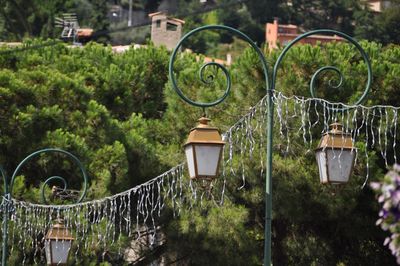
[[389, 216]]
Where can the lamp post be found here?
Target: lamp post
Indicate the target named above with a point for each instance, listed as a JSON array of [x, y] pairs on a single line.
[[270, 85], [58, 240]]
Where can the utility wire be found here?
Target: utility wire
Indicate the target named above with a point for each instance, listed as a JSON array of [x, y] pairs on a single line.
[[138, 25]]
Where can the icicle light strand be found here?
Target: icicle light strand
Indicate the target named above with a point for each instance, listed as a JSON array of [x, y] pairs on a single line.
[[134, 213]]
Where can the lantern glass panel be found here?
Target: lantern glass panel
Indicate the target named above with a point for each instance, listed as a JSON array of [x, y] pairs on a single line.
[[323, 172], [48, 251], [59, 251], [190, 160], [207, 159], [340, 164]]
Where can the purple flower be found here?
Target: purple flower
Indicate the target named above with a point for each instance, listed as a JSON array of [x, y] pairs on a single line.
[[396, 213], [388, 193], [381, 198], [393, 176], [375, 185], [383, 213], [395, 195], [388, 190], [392, 247]]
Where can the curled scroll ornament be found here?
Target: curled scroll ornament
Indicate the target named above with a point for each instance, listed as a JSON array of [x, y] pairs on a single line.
[[52, 178], [210, 78], [321, 70]]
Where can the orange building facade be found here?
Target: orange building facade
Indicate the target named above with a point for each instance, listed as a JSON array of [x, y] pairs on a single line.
[[276, 34]]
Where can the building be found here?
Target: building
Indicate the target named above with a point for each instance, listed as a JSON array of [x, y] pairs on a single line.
[[378, 6], [276, 34], [165, 30]]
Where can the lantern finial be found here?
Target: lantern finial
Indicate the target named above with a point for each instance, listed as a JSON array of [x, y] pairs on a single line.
[[336, 127], [203, 121]]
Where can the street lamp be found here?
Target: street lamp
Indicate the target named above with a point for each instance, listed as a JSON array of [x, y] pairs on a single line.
[[339, 174], [203, 151], [58, 239], [335, 156], [58, 242]]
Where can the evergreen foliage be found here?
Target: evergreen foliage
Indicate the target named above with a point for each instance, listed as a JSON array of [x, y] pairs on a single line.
[[120, 116]]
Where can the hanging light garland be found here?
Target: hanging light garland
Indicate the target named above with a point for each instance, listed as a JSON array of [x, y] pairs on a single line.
[[97, 222], [127, 213]]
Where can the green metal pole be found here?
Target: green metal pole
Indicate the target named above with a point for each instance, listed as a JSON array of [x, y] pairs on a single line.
[[5, 218], [5, 236], [268, 183]]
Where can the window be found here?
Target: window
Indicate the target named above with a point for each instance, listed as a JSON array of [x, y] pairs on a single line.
[[158, 23], [171, 27]]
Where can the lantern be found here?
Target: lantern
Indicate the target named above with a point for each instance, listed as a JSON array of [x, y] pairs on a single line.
[[335, 155], [203, 151], [58, 243]]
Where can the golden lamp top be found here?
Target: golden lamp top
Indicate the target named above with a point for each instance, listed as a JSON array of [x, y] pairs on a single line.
[[204, 133], [335, 138], [59, 232]]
